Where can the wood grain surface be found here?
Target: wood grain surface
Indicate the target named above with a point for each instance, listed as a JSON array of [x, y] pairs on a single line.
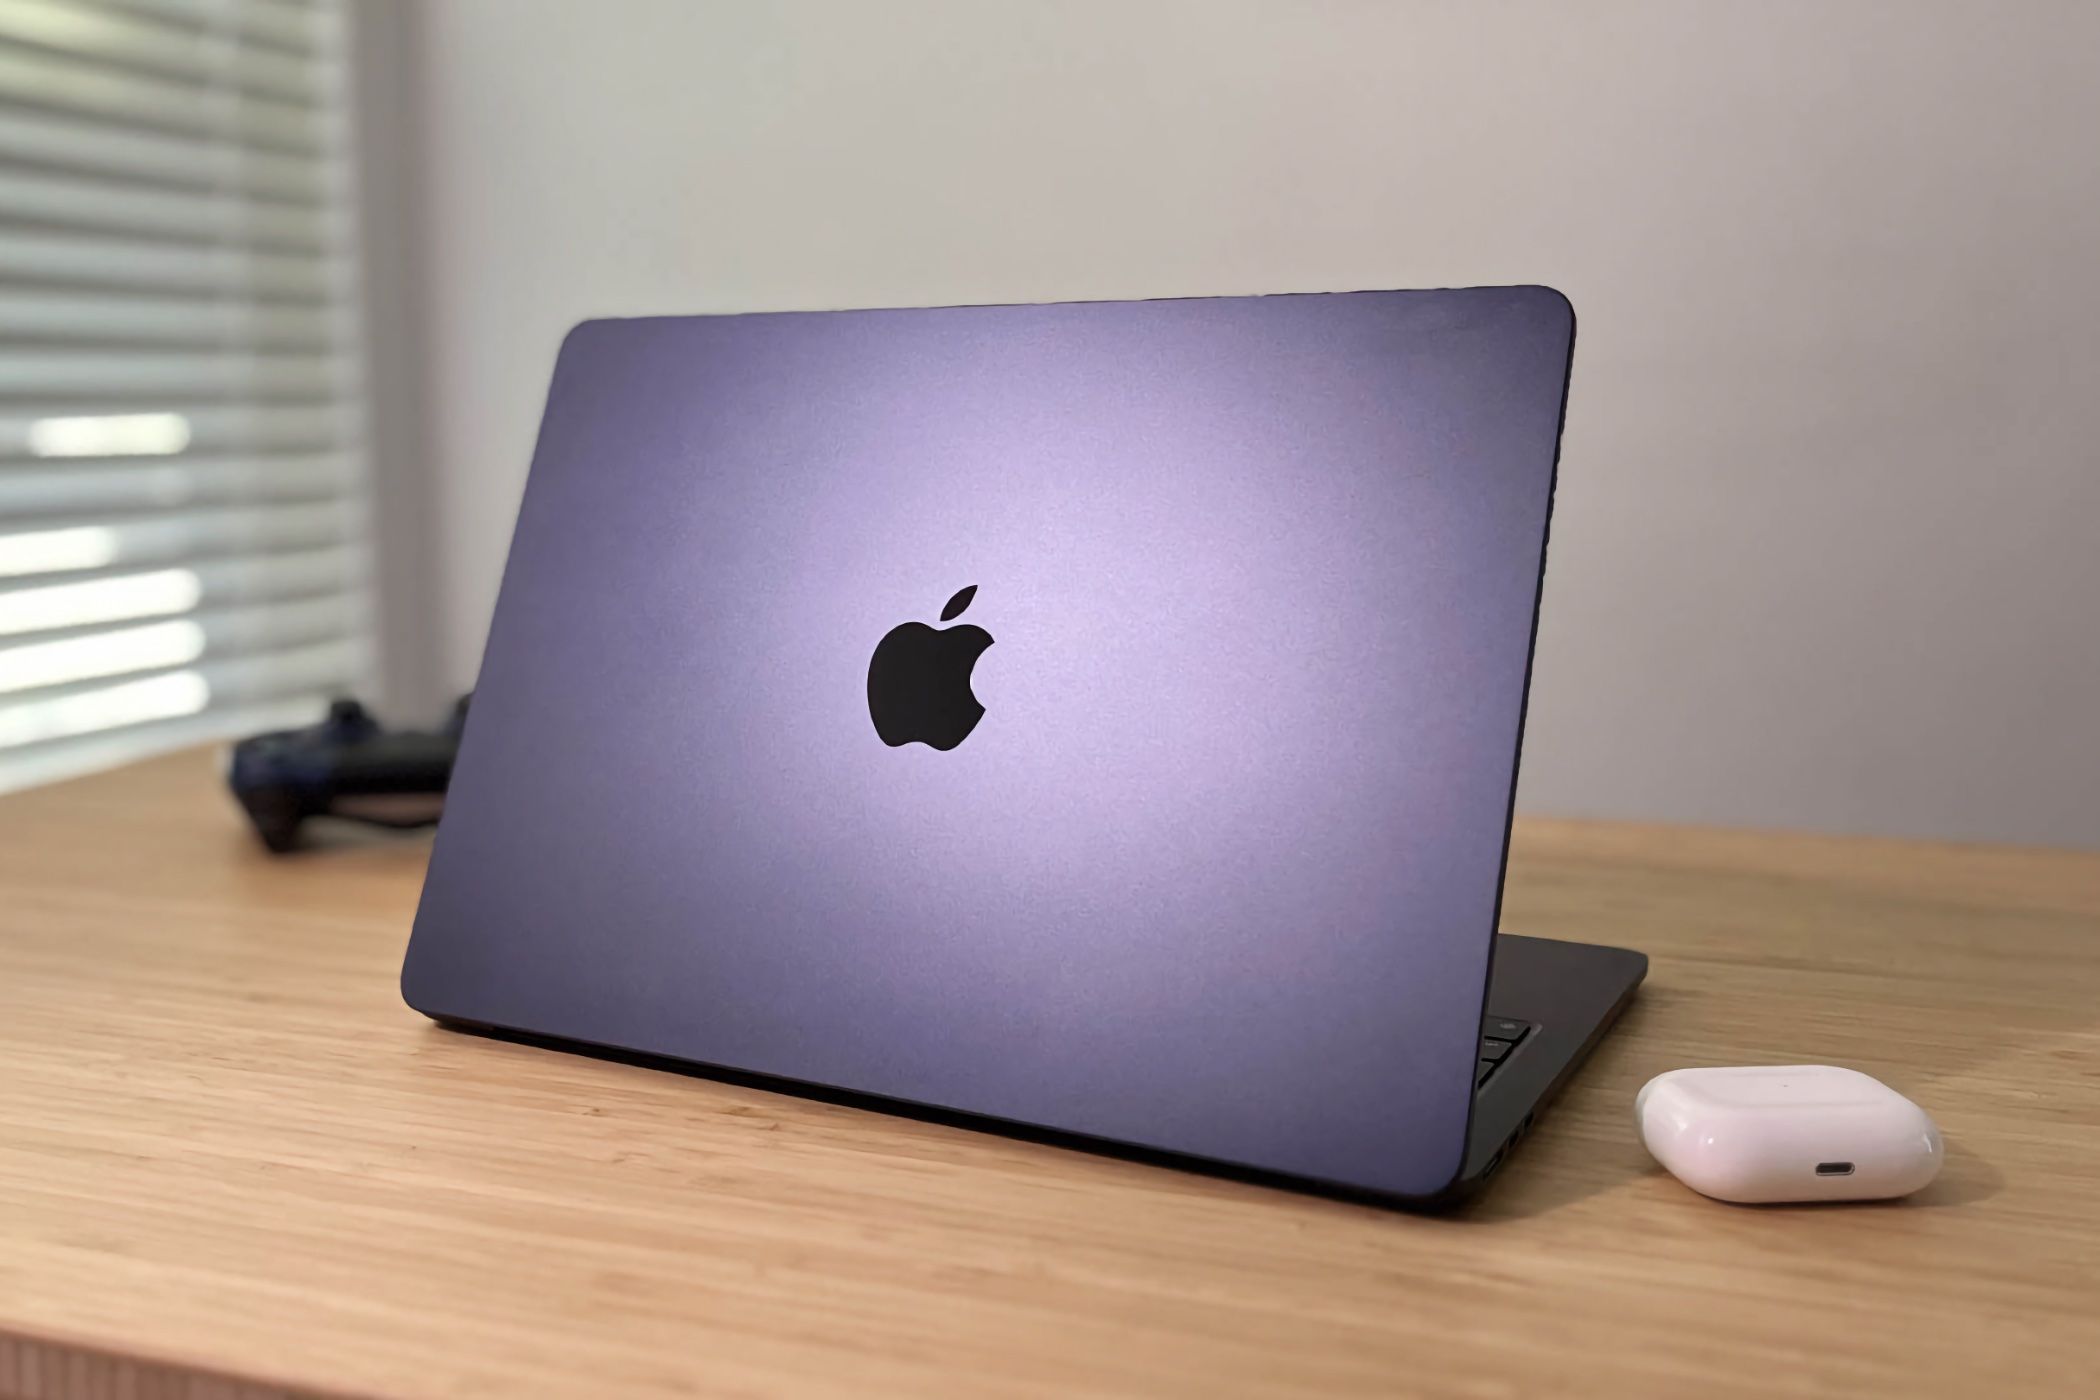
[[233, 1164]]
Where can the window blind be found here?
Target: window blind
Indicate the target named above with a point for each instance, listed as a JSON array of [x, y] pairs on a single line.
[[182, 520]]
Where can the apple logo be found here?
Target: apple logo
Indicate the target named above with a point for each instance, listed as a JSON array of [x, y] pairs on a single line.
[[919, 680]]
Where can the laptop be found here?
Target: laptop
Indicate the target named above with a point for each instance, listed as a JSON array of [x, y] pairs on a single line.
[[1097, 722]]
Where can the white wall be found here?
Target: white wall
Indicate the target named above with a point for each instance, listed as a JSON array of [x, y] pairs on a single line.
[[1828, 544]]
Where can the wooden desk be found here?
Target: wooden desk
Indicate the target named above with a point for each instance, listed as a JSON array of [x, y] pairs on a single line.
[[232, 1163]]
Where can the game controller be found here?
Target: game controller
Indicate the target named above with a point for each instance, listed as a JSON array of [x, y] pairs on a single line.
[[346, 766]]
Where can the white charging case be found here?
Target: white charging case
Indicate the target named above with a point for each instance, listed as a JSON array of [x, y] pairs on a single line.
[[1765, 1133]]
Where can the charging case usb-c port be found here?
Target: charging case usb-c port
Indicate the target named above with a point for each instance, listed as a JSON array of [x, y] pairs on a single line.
[[1833, 1169]]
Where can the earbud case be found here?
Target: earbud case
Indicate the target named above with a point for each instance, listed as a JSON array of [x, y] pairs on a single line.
[[1766, 1133]]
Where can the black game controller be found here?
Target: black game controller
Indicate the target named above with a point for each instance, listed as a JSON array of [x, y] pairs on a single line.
[[345, 766]]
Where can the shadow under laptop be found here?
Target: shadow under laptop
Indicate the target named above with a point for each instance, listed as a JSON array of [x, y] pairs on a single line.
[[1019, 1132]]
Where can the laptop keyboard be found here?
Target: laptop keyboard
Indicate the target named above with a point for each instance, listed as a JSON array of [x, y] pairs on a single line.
[[1498, 1036]]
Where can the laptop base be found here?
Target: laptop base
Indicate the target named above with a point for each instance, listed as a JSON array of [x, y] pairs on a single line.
[[1570, 993]]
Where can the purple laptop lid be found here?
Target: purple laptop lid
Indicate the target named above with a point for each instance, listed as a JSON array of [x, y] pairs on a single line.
[[1204, 855]]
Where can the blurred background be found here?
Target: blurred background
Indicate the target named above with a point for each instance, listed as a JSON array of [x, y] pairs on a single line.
[[281, 283]]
